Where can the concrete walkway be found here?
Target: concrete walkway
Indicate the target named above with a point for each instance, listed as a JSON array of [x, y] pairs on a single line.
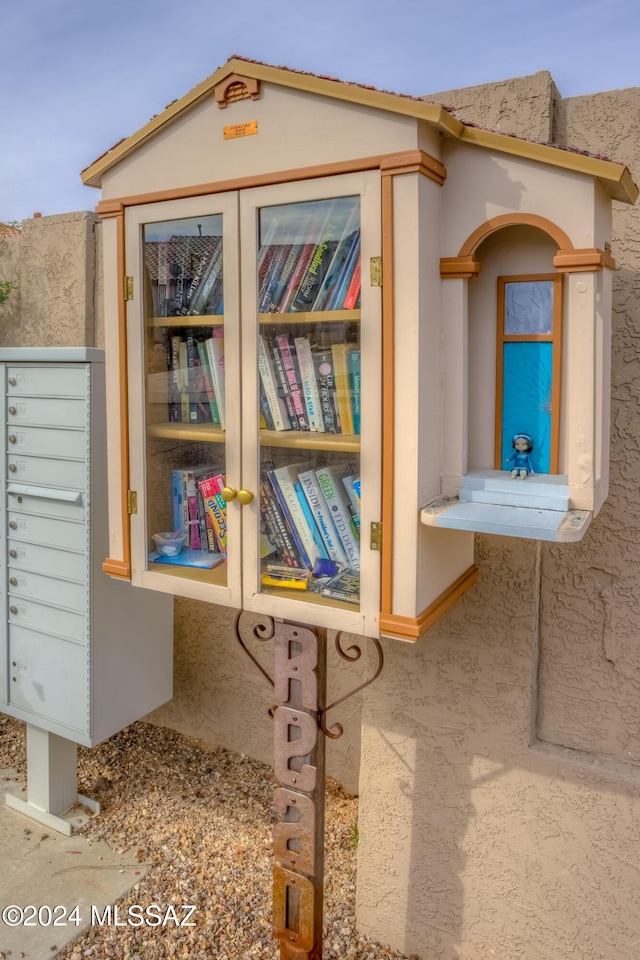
[[42, 868]]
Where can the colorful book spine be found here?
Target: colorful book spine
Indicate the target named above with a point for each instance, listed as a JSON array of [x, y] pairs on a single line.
[[175, 409], [309, 384], [320, 549], [282, 384], [339, 258], [184, 383], [281, 528], [325, 375], [285, 504], [315, 498], [215, 507], [215, 353], [315, 272], [208, 382], [212, 274], [284, 481], [354, 498], [269, 381], [269, 287], [339, 293], [304, 254], [353, 368], [330, 481], [292, 375], [353, 292], [339, 353], [177, 500]]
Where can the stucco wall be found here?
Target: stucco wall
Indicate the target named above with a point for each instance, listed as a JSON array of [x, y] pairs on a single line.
[[500, 791]]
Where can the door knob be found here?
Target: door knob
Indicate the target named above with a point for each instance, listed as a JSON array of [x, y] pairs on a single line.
[[245, 497], [228, 494]]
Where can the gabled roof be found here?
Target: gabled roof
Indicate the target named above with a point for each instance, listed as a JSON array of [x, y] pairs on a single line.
[[615, 177]]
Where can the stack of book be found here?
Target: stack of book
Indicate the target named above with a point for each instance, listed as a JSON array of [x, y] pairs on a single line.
[[316, 268], [196, 376], [199, 511], [185, 275], [309, 387], [312, 518]]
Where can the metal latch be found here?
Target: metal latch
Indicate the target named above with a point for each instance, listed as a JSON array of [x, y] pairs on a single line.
[[128, 288], [376, 271], [376, 536], [132, 501]]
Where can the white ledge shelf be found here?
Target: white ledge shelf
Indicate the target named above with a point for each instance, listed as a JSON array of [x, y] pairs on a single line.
[[536, 508]]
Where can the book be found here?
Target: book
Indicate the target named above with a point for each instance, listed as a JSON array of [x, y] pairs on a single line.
[[208, 382], [340, 255], [193, 517], [309, 384], [336, 300], [279, 526], [215, 507], [320, 549], [282, 486], [177, 496], [303, 254], [199, 407], [269, 286], [318, 505], [353, 368], [344, 586], [325, 375], [330, 482], [175, 400], [292, 375], [343, 394], [349, 484], [212, 273], [353, 292], [215, 353], [282, 383], [184, 382], [317, 268], [269, 381]]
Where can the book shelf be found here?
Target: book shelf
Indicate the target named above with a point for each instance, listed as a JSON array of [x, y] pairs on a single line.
[[252, 381]]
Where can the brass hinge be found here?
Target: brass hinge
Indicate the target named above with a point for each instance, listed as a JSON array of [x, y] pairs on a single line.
[[376, 271], [132, 501], [376, 536], [128, 288]]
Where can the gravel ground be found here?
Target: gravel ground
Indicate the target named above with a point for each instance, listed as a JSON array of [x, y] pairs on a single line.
[[201, 817]]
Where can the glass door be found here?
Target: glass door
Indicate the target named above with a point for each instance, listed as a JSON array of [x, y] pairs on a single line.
[[183, 326], [313, 328]]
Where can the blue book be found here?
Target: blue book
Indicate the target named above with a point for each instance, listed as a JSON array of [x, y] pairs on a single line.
[[315, 533], [178, 500], [353, 370]]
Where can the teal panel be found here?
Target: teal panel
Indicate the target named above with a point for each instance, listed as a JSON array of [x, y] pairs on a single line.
[[526, 399]]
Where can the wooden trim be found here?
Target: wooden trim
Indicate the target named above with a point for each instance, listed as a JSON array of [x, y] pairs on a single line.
[[459, 268], [109, 208], [555, 338], [583, 261], [123, 376], [221, 89], [415, 161], [245, 183], [388, 385], [485, 230], [615, 177], [117, 568], [412, 628]]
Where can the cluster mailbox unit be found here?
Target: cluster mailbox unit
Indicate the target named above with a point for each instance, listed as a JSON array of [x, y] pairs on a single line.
[[329, 309], [82, 655]]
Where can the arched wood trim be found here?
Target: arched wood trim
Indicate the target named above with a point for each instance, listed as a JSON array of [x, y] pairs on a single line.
[[485, 230], [245, 87]]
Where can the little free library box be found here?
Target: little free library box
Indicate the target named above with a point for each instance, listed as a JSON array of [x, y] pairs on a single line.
[[329, 311]]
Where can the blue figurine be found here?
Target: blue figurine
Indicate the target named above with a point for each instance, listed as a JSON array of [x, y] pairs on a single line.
[[522, 445]]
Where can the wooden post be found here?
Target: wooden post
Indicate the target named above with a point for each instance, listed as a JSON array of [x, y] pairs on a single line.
[[299, 765]]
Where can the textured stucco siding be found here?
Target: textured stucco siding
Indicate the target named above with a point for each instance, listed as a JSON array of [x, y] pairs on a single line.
[[500, 786]]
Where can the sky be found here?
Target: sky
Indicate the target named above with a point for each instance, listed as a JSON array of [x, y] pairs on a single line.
[[76, 76]]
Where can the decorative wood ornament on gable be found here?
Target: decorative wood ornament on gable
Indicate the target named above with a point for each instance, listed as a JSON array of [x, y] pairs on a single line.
[[235, 87]]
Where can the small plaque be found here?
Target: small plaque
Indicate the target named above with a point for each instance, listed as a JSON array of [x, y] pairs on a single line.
[[240, 130]]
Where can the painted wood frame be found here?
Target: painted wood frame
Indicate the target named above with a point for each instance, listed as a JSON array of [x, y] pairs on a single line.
[[555, 338]]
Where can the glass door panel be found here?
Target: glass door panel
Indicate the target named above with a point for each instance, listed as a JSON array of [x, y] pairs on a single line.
[[185, 411], [309, 389]]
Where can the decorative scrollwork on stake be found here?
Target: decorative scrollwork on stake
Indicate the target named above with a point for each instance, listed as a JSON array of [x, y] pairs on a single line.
[[262, 629], [352, 654]]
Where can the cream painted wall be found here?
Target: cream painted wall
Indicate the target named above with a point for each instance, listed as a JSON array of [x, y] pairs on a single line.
[[500, 783]]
